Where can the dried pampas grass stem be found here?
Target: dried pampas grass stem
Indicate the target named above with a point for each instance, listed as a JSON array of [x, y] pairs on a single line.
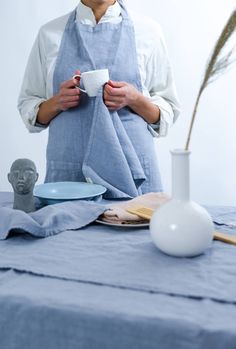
[[216, 66]]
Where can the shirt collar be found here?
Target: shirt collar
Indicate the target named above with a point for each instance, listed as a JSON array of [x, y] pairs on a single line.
[[84, 14]]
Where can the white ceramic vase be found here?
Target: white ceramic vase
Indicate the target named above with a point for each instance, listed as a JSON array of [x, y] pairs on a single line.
[[181, 227]]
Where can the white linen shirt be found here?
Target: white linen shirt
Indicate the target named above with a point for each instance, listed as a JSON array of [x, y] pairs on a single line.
[[155, 70]]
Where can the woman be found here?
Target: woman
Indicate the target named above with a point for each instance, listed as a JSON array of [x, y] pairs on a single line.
[[107, 139]]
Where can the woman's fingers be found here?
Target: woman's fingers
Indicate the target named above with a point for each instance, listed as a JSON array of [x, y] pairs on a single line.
[[115, 91], [69, 95], [114, 102], [68, 84], [68, 105], [68, 99], [114, 105]]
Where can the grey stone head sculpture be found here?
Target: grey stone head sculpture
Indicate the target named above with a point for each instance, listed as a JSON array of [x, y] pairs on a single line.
[[23, 176]]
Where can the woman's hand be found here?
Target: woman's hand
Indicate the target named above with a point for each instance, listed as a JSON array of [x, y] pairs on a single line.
[[119, 94], [69, 95]]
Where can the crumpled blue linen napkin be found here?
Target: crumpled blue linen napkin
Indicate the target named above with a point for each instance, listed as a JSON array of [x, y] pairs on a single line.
[[223, 215], [49, 220]]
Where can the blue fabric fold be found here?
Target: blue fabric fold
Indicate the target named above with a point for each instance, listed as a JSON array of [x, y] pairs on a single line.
[[49, 220], [124, 173]]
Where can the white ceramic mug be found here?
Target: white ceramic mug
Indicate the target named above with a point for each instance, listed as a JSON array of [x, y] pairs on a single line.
[[93, 80]]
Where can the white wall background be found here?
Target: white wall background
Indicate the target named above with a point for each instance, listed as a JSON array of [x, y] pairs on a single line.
[[191, 29]]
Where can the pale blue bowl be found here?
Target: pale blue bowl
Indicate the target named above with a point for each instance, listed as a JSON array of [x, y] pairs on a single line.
[[52, 193]]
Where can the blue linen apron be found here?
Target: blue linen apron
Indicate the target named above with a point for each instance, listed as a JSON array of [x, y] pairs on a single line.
[[89, 143]]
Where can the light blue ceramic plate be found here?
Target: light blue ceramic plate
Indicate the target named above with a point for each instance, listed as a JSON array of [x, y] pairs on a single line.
[[52, 193]]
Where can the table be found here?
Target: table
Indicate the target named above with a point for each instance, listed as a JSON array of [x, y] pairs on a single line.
[[96, 297]]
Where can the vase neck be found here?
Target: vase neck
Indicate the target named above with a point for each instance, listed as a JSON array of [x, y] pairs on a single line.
[[180, 175]]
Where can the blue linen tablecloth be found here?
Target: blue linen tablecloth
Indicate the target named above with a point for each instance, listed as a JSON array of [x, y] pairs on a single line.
[[104, 287]]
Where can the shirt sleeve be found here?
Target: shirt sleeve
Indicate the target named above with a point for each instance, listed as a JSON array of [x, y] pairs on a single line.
[[33, 89], [161, 86]]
